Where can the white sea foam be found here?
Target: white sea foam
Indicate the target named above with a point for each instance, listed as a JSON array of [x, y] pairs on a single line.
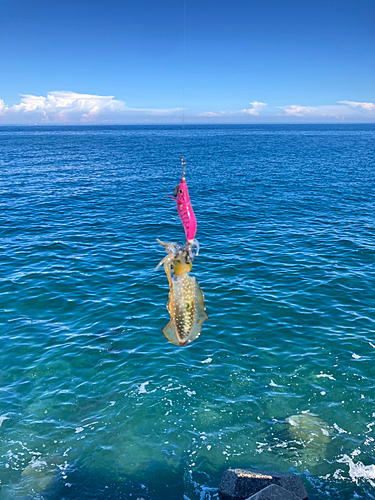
[[142, 388], [65, 454], [356, 356], [2, 419], [358, 470], [38, 463], [339, 430], [326, 375], [208, 360]]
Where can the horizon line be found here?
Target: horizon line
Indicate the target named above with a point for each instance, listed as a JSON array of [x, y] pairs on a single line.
[[175, 124]]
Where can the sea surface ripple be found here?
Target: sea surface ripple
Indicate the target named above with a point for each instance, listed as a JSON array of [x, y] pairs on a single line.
[[95, 403]]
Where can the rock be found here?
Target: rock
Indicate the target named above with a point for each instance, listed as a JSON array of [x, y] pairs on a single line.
[[312, 434], [274, 492], [240, 484], [308, 427]]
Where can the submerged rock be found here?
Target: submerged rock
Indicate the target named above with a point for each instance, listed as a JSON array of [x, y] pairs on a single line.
[[312, 434], [37, 477], [274, 492]]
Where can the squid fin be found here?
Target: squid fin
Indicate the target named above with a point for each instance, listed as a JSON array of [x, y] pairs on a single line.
[[169, 333], [200, 316]]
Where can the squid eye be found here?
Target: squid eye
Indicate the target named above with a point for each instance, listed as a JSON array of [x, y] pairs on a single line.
[[180, 191]]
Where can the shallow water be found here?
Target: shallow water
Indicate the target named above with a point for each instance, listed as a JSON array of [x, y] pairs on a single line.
[[95, 403]]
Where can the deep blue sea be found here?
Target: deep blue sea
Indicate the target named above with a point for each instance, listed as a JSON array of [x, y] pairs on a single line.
[[94, 402]]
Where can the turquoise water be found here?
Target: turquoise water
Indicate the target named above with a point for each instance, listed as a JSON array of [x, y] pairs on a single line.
[[95, 403]]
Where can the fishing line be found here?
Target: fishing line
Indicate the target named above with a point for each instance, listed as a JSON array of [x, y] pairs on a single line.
[[184, 65], [183, 166], [183, 85]]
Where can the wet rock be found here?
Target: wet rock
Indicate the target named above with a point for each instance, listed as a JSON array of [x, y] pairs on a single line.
[[240, 484], [274, 492], [37, 477], [312, 434]]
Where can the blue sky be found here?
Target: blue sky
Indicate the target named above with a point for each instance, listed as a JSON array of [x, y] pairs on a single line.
[[230, 61]]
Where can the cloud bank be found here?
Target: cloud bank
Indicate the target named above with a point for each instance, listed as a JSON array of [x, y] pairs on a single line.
[[343, 110], [256, 107], [331, 113], [296, 110], [61, 107], [368, 106], [65, 107]]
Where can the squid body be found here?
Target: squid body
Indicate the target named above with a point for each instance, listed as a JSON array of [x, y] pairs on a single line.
[[186, 301]]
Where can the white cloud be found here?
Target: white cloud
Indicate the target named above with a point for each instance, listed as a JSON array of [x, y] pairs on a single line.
[[341, 111], [296, 110], [71, 107], [255, 109], [330, 113], [211, 114], [368, 106], [157, 111], [60, 106], [3, 108]]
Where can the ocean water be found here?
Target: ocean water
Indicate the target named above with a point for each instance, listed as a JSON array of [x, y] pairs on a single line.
[[94, 402]]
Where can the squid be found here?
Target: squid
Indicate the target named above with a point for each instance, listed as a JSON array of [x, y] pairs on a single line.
[[186, 300]]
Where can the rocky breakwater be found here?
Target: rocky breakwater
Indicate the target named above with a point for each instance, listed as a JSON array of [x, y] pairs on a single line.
[[245, 484]]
